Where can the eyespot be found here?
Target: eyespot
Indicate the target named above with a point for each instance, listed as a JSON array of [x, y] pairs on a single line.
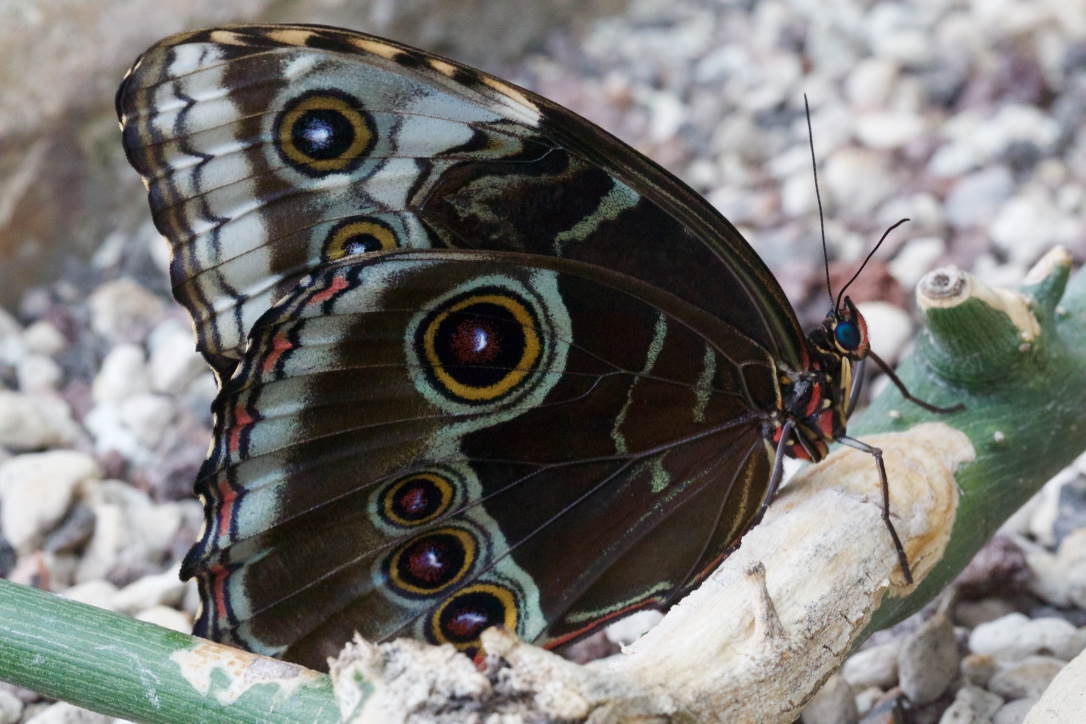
[[432, 562], [847, 334], [324, 132], [416, 499], [467, 613], [481, 346], [358, 235]]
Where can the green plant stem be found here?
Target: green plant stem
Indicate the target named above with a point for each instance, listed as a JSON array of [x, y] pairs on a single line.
[[122, 667]]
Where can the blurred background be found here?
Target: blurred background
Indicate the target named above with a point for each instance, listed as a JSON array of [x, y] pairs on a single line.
[[966, 116]]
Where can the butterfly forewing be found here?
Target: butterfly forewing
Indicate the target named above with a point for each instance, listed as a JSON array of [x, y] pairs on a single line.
[[261, 145]]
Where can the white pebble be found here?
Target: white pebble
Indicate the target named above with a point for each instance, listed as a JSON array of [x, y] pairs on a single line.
[[123, 310], [1029, 224], [889, 327], [148, 417], [873, 666], [1026, 679], [971, 704], [871, 82], [97, 593], [889, 130], [42, 337], [627, 630], [12, 345], [915, 259], [161, 589], [64, 713], [123, 373], [11, 707], [173, 363], [167, 617], [38, 373], [1015, 636], [35, 421], [974, 200], [36, 490], [859, 180]]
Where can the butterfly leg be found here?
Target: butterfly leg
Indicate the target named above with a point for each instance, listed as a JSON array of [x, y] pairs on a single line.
[[778, 470], [884, 482]]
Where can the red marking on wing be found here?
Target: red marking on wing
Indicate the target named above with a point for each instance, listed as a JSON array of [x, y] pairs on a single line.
[[338, 285], [601, 621], [227, 498], [280, 344]]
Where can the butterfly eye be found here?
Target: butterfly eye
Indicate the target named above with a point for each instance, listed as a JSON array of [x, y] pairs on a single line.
[[847, 334]]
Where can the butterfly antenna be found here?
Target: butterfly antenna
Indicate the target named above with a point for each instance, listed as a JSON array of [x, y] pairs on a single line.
[[818, 197], [866, 259]]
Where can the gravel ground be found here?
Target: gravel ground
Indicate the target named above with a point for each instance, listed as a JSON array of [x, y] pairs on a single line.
[[966, 117]]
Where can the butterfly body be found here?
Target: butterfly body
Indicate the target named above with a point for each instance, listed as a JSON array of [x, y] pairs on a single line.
[[481, 363]]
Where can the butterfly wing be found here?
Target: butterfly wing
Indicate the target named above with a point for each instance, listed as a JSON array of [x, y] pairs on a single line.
[[268, 150], [432, 442]]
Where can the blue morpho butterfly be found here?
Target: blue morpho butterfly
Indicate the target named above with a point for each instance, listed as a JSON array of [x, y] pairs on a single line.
[[481, 363]]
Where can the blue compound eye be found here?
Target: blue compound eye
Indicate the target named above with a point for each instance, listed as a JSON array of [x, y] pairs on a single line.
[[847, 334]]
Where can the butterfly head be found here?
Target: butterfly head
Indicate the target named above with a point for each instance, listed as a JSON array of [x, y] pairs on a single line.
[[846, 331]]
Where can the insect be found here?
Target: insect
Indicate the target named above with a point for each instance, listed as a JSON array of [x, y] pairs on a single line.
[[481, 363]]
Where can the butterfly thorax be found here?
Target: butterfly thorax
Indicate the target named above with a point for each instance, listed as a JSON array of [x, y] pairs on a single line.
[[819, 399]]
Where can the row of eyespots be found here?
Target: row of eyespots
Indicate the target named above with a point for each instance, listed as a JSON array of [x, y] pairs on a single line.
[[480, 346], [324, 132], [440, 559]]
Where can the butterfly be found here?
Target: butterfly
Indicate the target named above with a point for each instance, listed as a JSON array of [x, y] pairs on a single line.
[[481, 363]]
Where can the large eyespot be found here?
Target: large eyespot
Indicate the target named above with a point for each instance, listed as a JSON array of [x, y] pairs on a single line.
[[358, 235], [480, 346], [432, 562], [416, 499], [324, 132], [848, 335], [467, 613]]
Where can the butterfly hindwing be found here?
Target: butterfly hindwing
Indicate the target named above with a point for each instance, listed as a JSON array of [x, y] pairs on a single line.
[[269, 150], [397, 454]]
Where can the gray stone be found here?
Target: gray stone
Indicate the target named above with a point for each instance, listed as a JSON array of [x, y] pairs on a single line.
[[154, 590], [915, 259], [1014, 712], [123, 374], [972, 705], [1029, 224], [834, 703], [978, 669], [148, 417], [858, 180], [974, 200], [1026, 679], [1015, 636], [166, 617], [43, 338], [97, 593], [872, 666], [38, 373], [11, 708], [35, 421], [123, 310], [36, 491], [928, 660], [973, 613], [889, 130], [173, 363]]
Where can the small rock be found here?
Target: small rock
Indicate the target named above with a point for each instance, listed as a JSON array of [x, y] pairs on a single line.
[[123, 374], [11, 709], [915, 259], [154, 590], [889, 130], [972, 705], [148, 417], [975, 199], [928, 660], [890, 328], [174, 362], [38, 373], [1026, 679], [978, 669], [1030, 224], [997, 568], [96, 593], [1013, 712], [167, 617], [833, 703], [123, 310], [872, 666], [36, 491], [43, 338], [859, 180], [867, 699], [973, 613], [871, 82], [64, 713], [35, 421], [1015, 636]]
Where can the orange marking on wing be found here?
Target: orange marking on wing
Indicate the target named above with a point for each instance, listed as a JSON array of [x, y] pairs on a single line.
[[242, 420], [338, 285], [227, 498], [280, 344]]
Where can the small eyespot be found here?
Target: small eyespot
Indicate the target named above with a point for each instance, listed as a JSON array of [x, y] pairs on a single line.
[[358, 235], [847, 334], [432, 562], [416, 499], [324, 132], [462, 617]]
